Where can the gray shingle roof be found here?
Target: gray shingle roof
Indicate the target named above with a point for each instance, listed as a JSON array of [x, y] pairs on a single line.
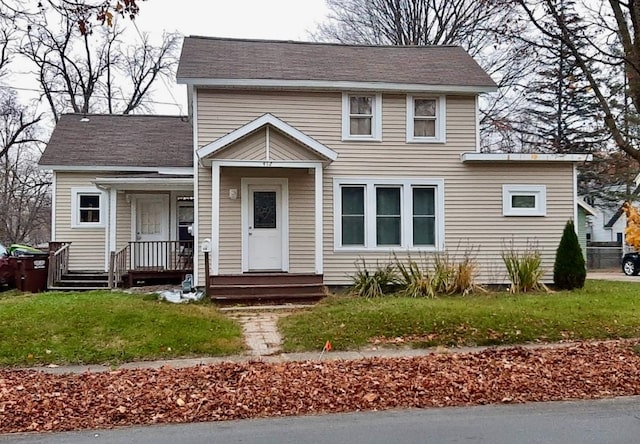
[[219, 58], [120, 141]]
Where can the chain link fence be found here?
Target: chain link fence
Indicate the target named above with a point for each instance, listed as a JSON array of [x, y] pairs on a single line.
[[604, 255]]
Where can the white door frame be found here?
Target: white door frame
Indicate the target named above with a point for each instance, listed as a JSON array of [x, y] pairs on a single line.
[[134, 213], [284, 210]]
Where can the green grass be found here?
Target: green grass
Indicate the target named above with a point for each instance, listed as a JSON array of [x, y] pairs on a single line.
[[601, 310], [108, 327]]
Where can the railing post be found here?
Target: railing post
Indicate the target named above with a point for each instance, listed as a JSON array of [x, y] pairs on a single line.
[[53, 265], [206, 273], [112, 262]]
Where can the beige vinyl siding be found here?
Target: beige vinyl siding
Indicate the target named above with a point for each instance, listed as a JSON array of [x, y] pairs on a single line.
[[253, 147], [87, 250], [301, 218], [473, 192], [203, 216], [283, 148], [123, 217]]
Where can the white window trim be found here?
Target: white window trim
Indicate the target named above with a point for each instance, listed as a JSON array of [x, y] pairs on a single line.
[[75, 208], [376, 121], [538, 191], [440, 117], [370, 185]]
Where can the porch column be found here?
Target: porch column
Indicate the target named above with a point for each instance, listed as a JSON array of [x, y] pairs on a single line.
[[319, 203], [215, 219], [112, 224]]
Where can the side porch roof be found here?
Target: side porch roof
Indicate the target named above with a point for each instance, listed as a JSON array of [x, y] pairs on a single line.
[[119, 143]]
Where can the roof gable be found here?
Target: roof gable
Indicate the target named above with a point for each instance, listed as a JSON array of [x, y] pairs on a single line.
[[233, 62], [266, 121]]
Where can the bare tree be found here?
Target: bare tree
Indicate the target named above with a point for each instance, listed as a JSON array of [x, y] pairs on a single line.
[[85, 12], [79, 69], [83, 73], [24, 197], [412, 22], [615, 45]]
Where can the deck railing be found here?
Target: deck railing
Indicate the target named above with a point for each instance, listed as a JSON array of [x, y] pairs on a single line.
[[58, 263], [161, 255], [118, 261]]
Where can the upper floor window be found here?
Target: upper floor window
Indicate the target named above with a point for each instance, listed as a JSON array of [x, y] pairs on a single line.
[[426, 119], [361, 116], [524, 200], [87, 208]]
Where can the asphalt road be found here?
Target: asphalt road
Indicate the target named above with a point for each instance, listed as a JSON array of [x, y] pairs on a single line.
[[604, 421]]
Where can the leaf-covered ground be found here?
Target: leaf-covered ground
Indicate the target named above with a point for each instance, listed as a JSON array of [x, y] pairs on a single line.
[[36, 401]]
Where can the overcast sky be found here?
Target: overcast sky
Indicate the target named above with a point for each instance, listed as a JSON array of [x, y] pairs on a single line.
[[256, 19]]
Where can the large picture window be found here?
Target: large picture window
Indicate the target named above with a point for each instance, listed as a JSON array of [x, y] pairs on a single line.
[[361, 116], [388, 214]]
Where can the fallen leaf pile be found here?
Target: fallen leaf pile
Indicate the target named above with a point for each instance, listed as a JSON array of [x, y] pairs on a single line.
[[36, 401]]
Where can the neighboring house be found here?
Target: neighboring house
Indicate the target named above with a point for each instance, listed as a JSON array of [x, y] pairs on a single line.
[[304, 158], [583, 223]]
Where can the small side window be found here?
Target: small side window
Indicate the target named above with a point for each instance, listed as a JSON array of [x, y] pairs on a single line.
[[87, 206], [524, 200]]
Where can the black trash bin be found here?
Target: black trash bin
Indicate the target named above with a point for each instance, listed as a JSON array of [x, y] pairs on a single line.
[[32, 272]]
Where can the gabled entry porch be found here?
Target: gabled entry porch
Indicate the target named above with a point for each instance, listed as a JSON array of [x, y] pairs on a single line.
[[266, 199]]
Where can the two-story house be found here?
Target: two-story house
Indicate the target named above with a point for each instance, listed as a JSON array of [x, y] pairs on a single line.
[[302, 158]]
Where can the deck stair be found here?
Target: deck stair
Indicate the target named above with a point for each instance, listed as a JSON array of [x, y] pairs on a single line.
[[82, 281], [266, 287]]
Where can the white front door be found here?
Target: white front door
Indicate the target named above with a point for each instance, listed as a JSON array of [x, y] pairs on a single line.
[[152, 224], [265, 232]]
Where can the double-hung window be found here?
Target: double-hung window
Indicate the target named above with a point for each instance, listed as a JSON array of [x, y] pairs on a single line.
[[361, 116], [388, 214], [87, 207], [426, 119]]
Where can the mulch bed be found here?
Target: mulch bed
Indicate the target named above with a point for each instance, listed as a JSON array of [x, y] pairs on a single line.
[[37, 401]]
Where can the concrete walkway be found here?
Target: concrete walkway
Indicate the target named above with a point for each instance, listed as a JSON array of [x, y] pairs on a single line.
[[260, 326]]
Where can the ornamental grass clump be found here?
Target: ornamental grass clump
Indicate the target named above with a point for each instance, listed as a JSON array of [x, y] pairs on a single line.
[[524, 269], [372, 284], [465, 275], [415, 280], [444, 271], [443, 276]]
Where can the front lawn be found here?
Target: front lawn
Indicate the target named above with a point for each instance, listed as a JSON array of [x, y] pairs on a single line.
[[601, 310], [109, 327]]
